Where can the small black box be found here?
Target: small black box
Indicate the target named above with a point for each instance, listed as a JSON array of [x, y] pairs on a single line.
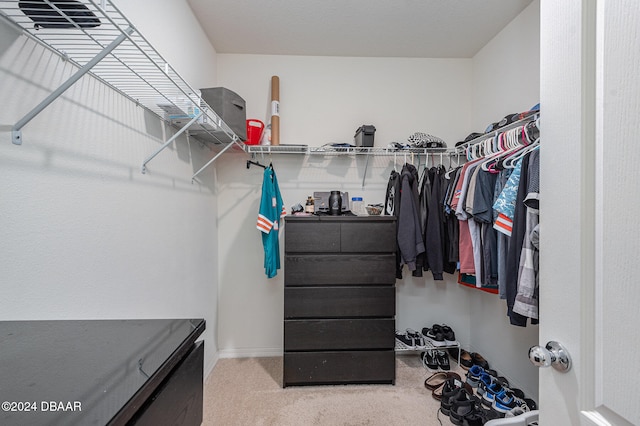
[[230, 107], [364, 135]]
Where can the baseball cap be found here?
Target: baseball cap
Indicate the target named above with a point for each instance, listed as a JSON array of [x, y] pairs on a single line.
[[470, 137]]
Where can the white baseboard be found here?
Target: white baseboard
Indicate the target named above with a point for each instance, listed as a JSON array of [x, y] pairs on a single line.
[[249, 353], [210, 365], [239, 353]]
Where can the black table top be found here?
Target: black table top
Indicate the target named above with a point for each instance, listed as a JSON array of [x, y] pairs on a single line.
[[83, 372]]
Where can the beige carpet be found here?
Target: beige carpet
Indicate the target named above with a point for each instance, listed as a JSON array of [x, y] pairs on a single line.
[[248, 391]]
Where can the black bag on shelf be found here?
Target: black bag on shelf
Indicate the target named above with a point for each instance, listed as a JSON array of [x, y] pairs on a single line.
[[44, 15]]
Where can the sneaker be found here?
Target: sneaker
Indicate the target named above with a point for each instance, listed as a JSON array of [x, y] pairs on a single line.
[[449, 335], [473, 376], [490, 393], [417, 338], [531, 404], [462, 404], [442, 358], [485, 381], [429, 359], [506, 400], [434, 335], [515, 412], [480, 416], [449, 390], [405, 340]]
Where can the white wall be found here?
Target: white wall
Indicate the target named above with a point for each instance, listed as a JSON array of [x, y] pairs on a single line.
[[506, 80], [324, 99], [506, 72], [84, 234]]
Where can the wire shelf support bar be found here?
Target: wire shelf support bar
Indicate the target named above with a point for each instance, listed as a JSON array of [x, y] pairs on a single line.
[[16, 131], [235, 142], [168, 142]]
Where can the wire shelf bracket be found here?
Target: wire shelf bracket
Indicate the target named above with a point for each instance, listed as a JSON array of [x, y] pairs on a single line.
[[16, 131], [168, 142]]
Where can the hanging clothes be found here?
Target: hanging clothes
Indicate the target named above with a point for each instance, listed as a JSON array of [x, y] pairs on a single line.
[[272, 209], [434, 227], [452, 226], [515, 247], [526, 302], [502, 238], [409, 230], [483, 215], [493, 200], [392, 208]]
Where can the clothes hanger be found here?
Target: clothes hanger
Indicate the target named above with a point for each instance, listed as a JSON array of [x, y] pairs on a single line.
[[510, 144], [510, 162], [447, 175], [255, 163]]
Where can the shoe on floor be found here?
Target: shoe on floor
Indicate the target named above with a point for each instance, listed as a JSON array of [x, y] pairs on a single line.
[[506, 400], [449, 390], [436, 380], [479, 360], [434, 335], [429, 359], [442, 358], [473, 376], [485, 381], [449, 335], [462, 404], [417, 338], [405, 340], [466, 361]]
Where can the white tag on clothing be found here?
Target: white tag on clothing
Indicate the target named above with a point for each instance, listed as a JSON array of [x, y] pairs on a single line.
[[273, 201]]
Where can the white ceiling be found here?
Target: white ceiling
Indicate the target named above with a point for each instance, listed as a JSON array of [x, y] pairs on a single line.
[[375, 28]]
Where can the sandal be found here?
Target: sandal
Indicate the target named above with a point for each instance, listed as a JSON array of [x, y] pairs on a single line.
[[435, 380], [437, 391]]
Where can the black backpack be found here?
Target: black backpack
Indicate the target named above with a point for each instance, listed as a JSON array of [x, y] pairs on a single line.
[[46, 16]]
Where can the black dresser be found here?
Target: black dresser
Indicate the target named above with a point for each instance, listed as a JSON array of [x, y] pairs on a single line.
[[101, 372], [339, 300]]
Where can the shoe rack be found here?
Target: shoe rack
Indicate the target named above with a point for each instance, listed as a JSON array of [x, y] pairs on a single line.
[[402, 347]]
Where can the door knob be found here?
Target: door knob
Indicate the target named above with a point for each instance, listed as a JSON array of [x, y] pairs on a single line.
[[553, 354]]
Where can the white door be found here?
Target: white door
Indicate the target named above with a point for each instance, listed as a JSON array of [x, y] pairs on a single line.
[[590, 222]]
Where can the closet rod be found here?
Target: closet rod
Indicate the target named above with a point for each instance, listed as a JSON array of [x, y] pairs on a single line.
[[496, 132]]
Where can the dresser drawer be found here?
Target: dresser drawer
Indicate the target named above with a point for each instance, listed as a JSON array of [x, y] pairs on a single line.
[[327, 269], [339, 367], [312, 237], [368, 237], [339, 334], [336, 302]]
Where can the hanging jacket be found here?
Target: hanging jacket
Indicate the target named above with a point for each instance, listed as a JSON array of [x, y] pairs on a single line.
[[424, 196], [392, 208], [433, 231], [447, 265], [409, 231]]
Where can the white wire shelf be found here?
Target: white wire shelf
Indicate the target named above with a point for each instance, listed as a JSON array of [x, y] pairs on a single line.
[[115, 53], [329, 150], [428, 346]]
